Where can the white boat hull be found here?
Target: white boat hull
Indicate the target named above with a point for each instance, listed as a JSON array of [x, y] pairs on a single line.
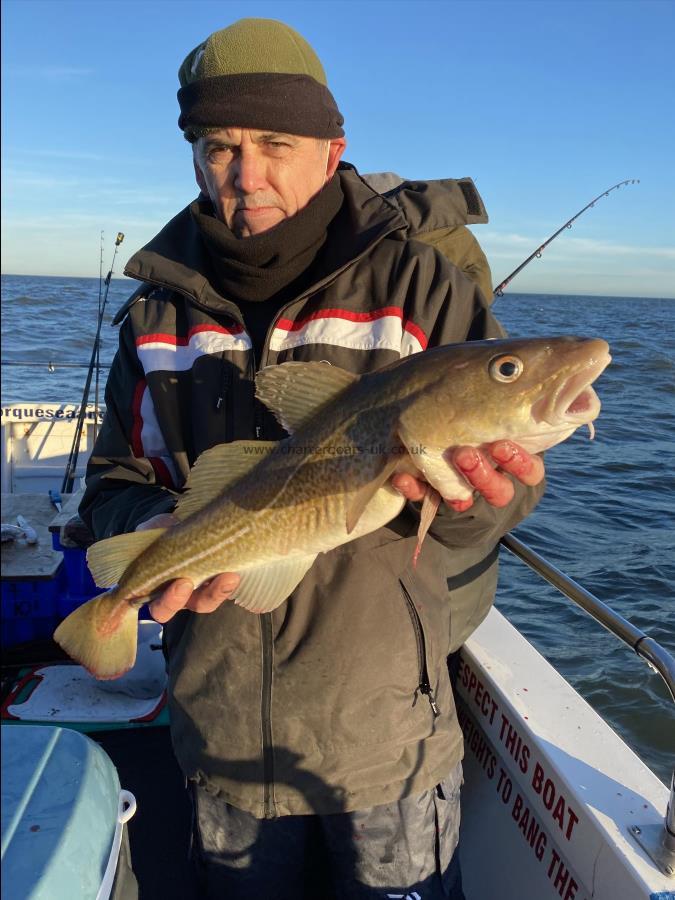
[[551, 792], [36, 442]]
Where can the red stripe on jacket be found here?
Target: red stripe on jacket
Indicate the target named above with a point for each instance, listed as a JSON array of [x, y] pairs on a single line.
[[352, 316], [184, 340], [161, 470]]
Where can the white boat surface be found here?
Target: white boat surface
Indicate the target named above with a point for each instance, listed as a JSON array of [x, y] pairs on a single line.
[[36, 442], [553, 797], [554, 805]]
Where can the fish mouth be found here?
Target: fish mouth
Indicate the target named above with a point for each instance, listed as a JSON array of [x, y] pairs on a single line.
[[574, 402]]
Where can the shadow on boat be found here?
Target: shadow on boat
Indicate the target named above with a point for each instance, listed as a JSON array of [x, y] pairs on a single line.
[[604, 787]]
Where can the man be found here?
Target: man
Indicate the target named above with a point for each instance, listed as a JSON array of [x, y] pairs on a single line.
[[321, 739]]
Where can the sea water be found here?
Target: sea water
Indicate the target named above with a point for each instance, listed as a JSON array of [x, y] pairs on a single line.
[[607, 518]]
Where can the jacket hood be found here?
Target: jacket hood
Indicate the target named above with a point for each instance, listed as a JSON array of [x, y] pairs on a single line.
[[430, 205]]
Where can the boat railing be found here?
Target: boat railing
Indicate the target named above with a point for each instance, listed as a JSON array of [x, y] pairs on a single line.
[[51, 365], [660, 845]]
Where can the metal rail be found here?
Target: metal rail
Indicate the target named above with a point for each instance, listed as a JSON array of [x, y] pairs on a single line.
[[656, 656], [51, 366], [657, 841]]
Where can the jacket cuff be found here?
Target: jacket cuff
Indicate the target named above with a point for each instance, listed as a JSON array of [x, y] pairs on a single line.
[[125, 510], [483, 523]]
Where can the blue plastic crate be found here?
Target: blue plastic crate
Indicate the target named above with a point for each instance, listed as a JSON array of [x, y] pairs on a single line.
[[80, 582], [31, 609]]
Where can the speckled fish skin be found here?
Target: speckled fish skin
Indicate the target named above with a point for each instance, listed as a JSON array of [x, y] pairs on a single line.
[[296, 499], [295, 502], [329, 482]]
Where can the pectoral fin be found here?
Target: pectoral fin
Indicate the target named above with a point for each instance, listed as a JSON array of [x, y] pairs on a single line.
[[368, 491], [109, 558], [430, 504], [264, 588], [218, 468]]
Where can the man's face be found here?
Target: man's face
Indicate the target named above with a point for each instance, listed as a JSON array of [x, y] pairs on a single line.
[[256, 179]]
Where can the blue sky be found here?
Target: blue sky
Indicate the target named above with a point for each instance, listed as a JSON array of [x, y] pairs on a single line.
[[544, 104]]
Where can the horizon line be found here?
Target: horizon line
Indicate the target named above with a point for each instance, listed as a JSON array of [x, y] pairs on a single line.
[[519, 293]]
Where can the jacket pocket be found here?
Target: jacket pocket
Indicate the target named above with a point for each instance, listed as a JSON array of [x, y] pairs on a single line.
[[423, 683]]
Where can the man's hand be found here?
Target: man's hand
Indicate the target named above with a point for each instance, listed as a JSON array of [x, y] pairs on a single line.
[[180, 594], [480, 473]]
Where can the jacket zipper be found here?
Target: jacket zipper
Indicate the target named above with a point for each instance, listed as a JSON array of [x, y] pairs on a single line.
[[231, 309], [266, 714], [225, 400], [258, 415], [322, 283], [424, 687]]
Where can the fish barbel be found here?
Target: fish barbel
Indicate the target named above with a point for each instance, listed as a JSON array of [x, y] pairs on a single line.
[[266, 510]]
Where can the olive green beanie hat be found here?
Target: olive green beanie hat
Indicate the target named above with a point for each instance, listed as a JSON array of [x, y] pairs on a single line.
[[258, 73]]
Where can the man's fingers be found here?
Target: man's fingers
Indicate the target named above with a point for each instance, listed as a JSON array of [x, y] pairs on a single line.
[[496, 488], [180, 594], [174, 598], [211, 594], [460, 505], [412, 488], [522, 465], [478, 469]]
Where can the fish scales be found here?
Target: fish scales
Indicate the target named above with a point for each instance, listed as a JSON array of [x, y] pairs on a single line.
[[301, 506], [330, 481]]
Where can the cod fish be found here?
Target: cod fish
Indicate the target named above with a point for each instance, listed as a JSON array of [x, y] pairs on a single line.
[[266, 509]]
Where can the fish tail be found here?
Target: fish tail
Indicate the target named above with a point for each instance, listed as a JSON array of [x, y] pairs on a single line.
[[102, 635]]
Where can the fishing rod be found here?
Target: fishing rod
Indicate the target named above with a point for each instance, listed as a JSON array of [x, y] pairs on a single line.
[[69, 476], [98, 346], [499, 290]]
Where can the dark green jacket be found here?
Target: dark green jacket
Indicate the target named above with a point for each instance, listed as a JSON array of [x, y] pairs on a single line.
[[324, 704]]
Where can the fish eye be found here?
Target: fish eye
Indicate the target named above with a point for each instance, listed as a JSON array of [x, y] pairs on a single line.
[[505, 368]]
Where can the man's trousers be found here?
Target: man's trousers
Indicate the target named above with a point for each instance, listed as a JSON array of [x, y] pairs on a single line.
[[405, 850]]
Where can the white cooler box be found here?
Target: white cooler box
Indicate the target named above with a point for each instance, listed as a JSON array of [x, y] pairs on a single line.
[[63, 818]]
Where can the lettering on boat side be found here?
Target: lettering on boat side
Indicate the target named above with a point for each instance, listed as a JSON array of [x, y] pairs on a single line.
[[562, 882], [542, 783], [477, 691], [30, 413]]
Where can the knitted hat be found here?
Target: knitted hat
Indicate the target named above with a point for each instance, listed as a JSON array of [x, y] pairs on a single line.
[[258, 73]]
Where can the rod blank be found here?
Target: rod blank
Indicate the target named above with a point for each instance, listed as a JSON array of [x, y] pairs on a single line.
[[499, 290]]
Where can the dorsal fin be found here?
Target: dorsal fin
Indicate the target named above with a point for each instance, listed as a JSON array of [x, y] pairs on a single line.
[[296, 391], [218, 468]]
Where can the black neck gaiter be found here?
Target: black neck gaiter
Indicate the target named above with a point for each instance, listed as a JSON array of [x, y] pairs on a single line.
[[254, 269]]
